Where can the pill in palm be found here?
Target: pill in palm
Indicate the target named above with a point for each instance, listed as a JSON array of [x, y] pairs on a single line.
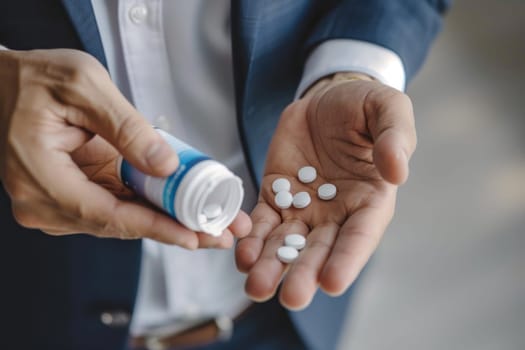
[[212, 211], [295, 240], [287, 254], [301, 200], [307, 174], [281, 184], [283, 199], [327, 191]]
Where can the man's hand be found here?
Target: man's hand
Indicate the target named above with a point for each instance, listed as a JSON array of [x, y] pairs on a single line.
[[62, 125], [359, 135]]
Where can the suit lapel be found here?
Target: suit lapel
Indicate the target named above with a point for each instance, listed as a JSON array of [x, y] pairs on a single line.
[[83, 19]]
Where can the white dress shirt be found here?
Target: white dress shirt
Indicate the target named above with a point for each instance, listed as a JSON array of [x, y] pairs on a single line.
[[172, 59]]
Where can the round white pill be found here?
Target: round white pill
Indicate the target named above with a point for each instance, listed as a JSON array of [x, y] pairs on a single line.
[[326, 191], [212, 211], [287, 254], [307, 174], [301, 200], [202, 219], [281, 184], [295, 240], [283, 199]]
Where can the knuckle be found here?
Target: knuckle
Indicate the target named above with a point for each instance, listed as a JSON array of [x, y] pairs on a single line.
[[76, 74], [104, 225], [129, 131], [110, 226], [25, 218], [384, 97], [83, 66]]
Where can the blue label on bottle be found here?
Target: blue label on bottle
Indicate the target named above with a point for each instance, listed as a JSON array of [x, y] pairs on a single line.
[[133, 178], [136, 180]]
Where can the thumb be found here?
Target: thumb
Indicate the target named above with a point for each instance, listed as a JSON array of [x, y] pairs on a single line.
[[391, 158], [391, 123]]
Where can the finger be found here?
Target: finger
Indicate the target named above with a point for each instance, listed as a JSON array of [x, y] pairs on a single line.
[[53, 232], [302, 279], [98, 106], [241, 225], [130, 220], [43, 216], [225, 240], [266, 273], [104, 215], [69, 138], [248, 249], [356, 241], [391, 158], [391, 123]]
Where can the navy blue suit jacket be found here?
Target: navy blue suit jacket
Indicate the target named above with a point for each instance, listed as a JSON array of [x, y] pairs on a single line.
[[54, 289]]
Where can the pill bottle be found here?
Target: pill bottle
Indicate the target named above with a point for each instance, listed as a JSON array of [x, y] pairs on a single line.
[[198, 182]]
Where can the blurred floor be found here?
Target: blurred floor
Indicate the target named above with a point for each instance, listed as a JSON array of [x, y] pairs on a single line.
[[450, 272]]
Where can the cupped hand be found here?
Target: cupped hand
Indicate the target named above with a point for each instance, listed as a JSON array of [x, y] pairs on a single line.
[[62, 124], [359, 135]]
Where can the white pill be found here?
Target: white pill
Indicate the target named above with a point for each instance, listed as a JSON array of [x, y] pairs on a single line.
[[307, 174], [301, 200], [280, 185], [202, 219], [295, 240], [283, 199], [287, 254], [212, 211], [326, 191]]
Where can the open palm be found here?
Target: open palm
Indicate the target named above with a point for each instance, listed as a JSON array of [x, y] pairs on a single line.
[[359, 136]]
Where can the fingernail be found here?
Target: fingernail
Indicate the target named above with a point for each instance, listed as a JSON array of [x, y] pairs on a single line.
[[402, 155], [162, 157]]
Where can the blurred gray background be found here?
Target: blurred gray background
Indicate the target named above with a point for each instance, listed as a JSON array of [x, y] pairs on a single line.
[[450, 272]]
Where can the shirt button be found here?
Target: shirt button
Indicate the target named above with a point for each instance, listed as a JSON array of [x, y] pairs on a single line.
[[138, 13], [115, 318]]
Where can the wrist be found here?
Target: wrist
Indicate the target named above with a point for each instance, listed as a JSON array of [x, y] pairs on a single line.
[[336, 78]]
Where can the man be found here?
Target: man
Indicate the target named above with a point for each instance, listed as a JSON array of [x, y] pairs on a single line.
[[64, 122]]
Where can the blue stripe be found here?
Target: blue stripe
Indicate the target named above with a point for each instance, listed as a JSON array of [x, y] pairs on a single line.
[[173, 182]]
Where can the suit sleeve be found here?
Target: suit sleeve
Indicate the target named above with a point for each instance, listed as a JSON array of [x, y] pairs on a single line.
[[406, 27]]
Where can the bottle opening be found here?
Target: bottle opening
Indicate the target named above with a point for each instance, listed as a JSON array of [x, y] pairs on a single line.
[[226, 193], [209, 184]]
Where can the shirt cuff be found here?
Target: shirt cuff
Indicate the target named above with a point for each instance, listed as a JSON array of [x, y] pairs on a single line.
[[344, 55]]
